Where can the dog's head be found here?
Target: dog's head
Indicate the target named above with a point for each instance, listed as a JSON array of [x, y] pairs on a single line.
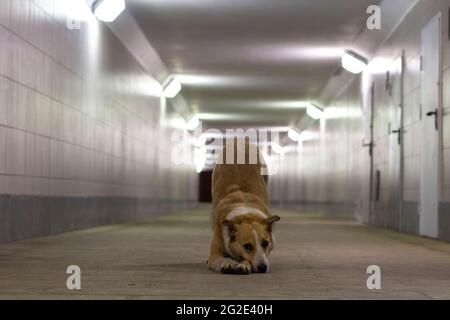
[[250, 238]]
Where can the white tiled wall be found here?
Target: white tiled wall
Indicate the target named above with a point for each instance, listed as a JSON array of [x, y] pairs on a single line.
[[328, 169], [74, 118], [333, 168]]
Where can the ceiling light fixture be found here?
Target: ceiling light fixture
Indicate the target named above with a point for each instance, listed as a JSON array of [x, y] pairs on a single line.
[[293, 135], [192, 123], [314, 112], [108, 10], [307, 135], [277, 148], [172, 88], [353, 62]]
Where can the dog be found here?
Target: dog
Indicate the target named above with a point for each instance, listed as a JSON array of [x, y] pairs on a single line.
[[242, 224]]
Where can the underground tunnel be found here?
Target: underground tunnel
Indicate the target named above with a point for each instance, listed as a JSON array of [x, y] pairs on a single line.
[[213, 150]]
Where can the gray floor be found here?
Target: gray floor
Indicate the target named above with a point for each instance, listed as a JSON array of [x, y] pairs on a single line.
[[165, 258]]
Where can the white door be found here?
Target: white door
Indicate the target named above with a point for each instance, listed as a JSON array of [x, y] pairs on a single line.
[[430, 100], [395, 88]]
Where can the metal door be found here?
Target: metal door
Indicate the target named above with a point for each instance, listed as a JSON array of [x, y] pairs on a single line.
[[430, 102]]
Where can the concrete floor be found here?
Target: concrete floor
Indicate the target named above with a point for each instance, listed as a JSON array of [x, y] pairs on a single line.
[[315, 258]]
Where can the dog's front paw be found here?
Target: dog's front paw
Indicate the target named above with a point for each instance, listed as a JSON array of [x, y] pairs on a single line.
[[231, 267]]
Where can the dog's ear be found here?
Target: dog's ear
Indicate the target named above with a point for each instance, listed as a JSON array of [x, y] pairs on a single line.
[[231, 228], [269, 221]]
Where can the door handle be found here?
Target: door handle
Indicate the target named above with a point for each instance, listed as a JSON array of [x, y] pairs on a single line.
[[399, 135], [435, 114], [368, 145]]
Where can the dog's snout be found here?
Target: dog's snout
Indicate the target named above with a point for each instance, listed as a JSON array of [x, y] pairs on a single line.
[[262, 268]]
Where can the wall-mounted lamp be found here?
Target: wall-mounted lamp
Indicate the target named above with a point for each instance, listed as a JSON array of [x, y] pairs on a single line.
[[108, 10], [172, 88], [353, 62], [314, 112]]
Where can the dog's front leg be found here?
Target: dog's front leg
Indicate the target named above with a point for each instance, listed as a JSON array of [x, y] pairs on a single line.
[[229, 266], [219, 263]]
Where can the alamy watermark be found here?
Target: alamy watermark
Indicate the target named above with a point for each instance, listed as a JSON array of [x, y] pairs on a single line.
[[374, 20], [73, 282], [205, 148], [374, 280]]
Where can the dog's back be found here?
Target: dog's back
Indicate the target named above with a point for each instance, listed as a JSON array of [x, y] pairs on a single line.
[[242, 173]]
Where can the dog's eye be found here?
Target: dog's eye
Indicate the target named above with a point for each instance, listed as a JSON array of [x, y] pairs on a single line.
[[248, 247], [264, 243]]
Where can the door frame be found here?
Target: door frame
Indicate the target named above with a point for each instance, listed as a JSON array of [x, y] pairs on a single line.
[[371, 146], [402, 141], [400, 138]]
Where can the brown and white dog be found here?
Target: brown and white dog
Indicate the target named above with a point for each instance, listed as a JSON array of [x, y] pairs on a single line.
[[241, 221]]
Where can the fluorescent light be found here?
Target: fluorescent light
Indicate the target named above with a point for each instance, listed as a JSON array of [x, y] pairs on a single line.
[[222, 116], [200, 156], [342, 113], [192, 123], [314, 112], [172, 88], [307, 135], [277, 148], [108, 10], [353, 62], [293, 135]]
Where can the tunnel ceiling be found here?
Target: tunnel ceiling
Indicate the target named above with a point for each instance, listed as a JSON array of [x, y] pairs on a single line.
[[249, 61]]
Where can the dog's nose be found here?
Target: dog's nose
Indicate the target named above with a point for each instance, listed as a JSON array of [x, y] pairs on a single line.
[[262, 268]]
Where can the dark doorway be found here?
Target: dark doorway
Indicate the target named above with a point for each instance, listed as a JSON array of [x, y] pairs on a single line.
[[204, 186]]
